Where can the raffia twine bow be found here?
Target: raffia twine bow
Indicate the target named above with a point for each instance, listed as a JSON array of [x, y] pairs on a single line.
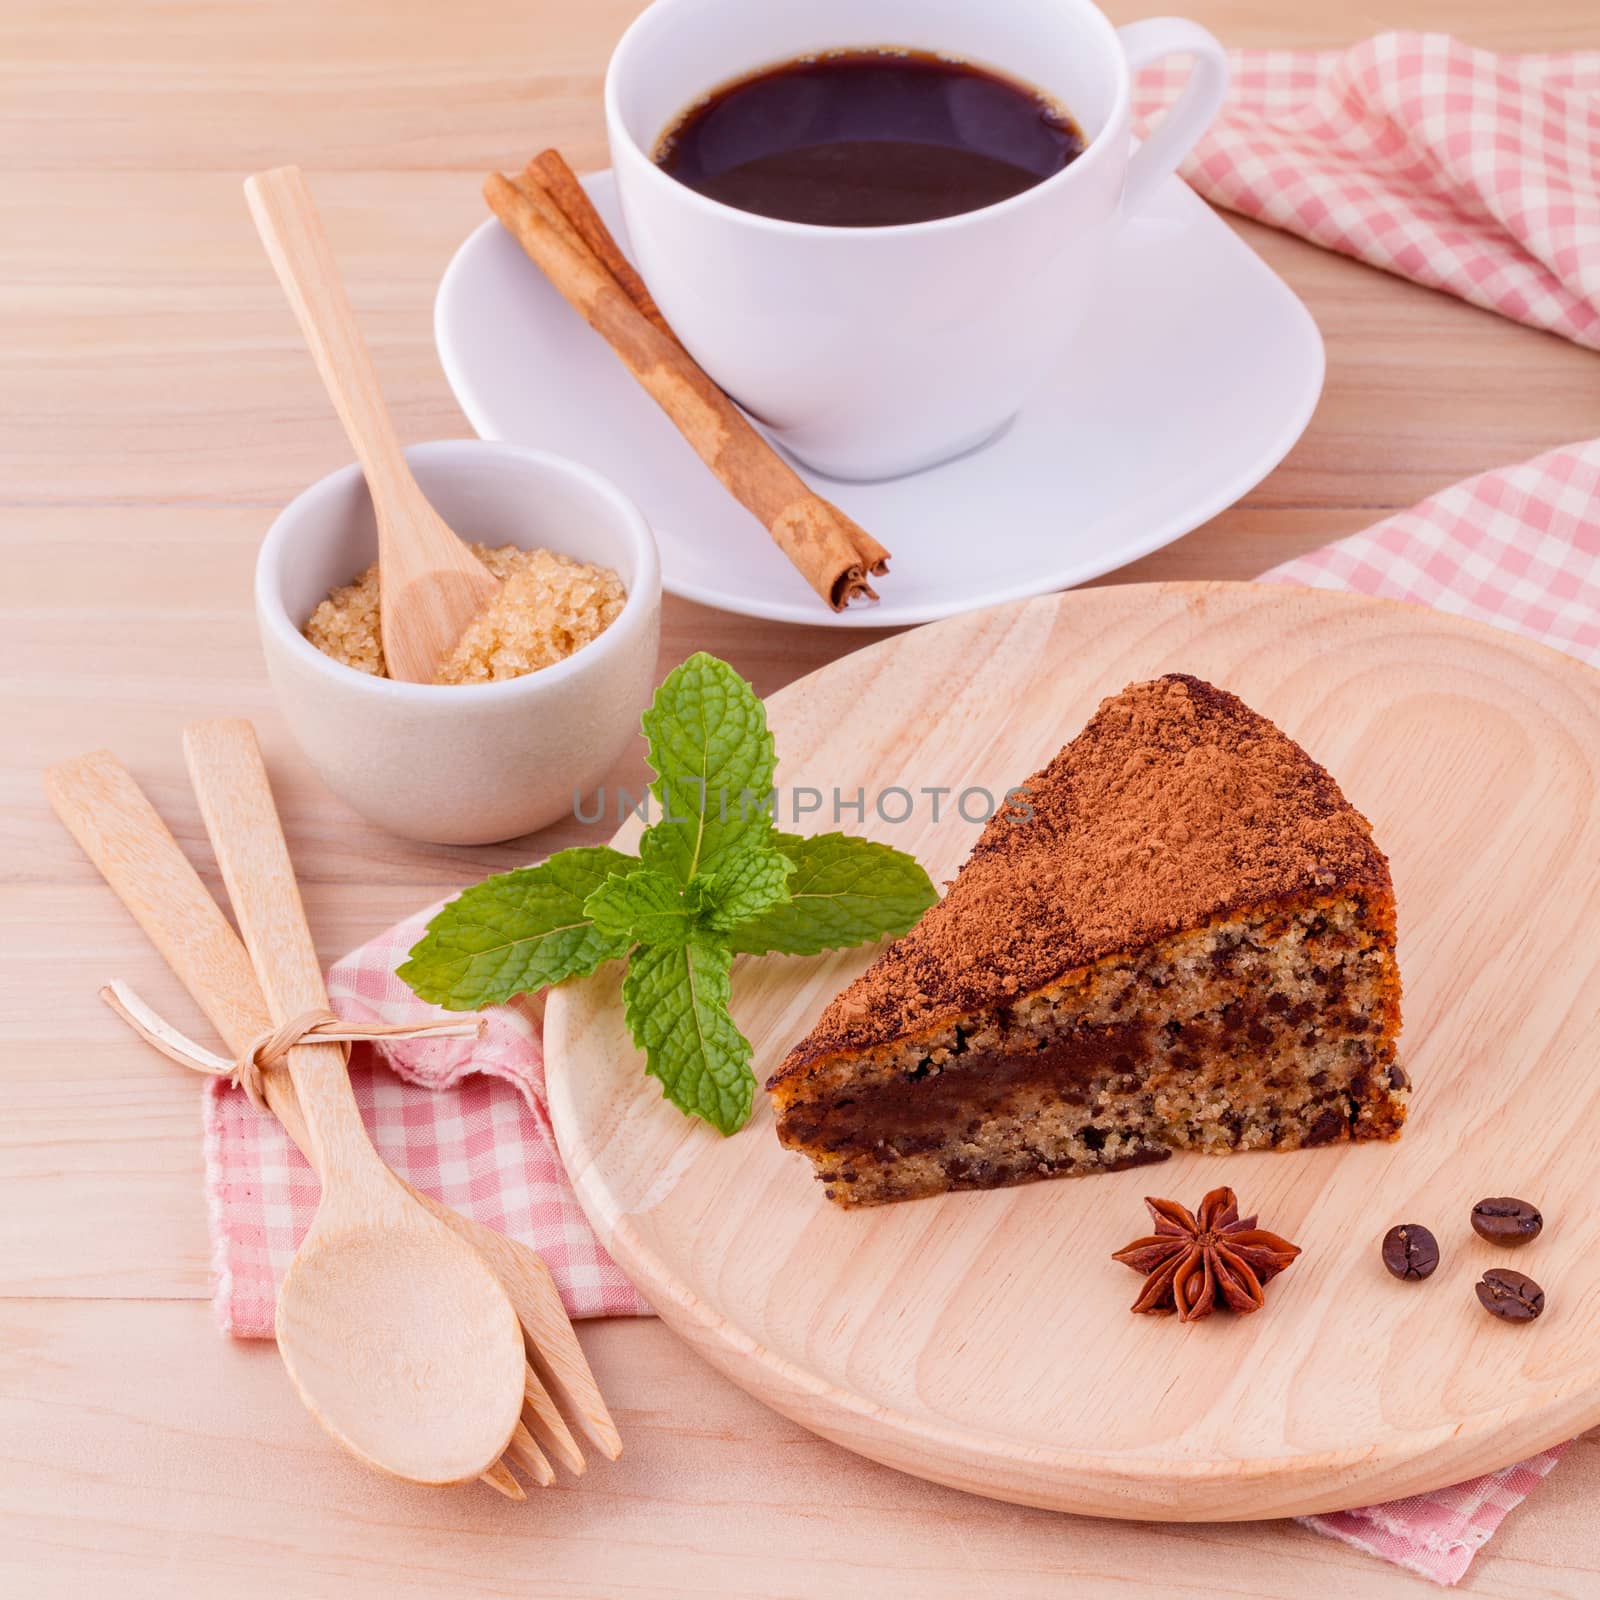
[[267, 1049]]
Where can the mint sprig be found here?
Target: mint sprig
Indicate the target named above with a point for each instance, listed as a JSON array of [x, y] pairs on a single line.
[[713, 879]]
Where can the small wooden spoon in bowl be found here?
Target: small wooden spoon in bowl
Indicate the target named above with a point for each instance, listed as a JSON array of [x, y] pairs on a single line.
[[432, 585], [397, 1334]]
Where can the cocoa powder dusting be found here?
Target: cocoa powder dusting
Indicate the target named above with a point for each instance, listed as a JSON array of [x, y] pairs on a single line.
[[1176, 804]]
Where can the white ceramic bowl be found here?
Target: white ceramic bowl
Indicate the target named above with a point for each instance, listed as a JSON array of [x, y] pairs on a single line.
[[472, 763]]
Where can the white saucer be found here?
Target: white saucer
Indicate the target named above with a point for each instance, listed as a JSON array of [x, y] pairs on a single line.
[[1189, 385]]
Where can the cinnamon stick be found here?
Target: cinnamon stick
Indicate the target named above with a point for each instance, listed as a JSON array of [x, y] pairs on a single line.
[[575, 250], [550, 170]]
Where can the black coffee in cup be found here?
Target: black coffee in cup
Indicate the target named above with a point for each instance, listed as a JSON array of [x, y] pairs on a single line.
[[869, 139]]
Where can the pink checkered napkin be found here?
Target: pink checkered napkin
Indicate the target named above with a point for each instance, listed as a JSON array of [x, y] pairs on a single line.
[[1518, 547], [1457, 168], [463, 1119]]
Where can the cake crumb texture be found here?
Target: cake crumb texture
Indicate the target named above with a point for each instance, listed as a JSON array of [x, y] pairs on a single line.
[[1176, 803]]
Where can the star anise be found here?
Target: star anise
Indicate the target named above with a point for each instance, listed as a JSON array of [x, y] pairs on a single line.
[[1194, 1260]]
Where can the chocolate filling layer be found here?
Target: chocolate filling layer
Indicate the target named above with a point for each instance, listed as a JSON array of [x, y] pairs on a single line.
[[919, 1111], [931, 1101]]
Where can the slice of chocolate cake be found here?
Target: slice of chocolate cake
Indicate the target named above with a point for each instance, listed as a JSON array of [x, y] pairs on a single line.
[[1181, 939]]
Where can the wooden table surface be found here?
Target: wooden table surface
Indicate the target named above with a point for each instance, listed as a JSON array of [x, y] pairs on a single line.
[[157, 408]]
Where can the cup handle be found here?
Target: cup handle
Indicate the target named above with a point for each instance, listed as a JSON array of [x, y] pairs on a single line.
[[1180, 129]]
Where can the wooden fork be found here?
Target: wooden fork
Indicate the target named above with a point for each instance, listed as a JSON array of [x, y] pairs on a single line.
[[120, 831]]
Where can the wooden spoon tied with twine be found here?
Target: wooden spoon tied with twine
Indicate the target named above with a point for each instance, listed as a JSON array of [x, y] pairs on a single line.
[[119, 830], [547, 211], [431, 585], [397, 1335]]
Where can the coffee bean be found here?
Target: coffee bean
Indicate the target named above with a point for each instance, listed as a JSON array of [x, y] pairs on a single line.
[[1511, 1296], [1506, 1221], [1410, 1251]]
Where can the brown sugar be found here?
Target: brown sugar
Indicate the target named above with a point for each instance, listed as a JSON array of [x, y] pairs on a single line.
[[548, 606]]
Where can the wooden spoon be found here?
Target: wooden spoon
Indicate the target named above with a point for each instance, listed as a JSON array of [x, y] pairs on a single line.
[[399, 1338], [108, 814], [432, 584]]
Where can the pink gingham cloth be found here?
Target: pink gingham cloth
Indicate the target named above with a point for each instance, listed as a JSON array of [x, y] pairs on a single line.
[[1460, 169], [466, 1120]]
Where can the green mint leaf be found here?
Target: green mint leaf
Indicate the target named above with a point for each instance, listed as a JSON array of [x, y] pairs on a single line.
[[647, 906], [751, 880], [845, 891], [700, 895], [676, 1004], [713, 759], [517, 932]]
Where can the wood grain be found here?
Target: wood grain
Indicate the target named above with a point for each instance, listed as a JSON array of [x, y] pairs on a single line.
[[757, 1509], [156, 407], [930, 1335]]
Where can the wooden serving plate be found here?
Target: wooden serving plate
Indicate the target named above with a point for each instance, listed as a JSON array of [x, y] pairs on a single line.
[[984, 1340]]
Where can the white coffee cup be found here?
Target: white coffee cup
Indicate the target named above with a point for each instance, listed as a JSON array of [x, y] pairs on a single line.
[[872, 352]]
